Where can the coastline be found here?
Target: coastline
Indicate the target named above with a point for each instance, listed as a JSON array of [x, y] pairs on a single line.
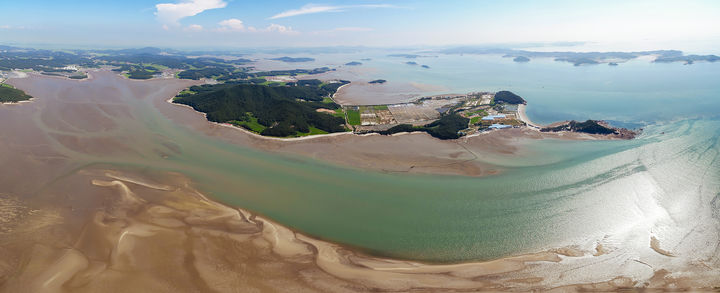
[[228, 240], [256, 135], [524, 118], [176, 222]]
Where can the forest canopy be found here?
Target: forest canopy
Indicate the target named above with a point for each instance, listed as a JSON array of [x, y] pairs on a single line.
[[508, 97], [282, 111]]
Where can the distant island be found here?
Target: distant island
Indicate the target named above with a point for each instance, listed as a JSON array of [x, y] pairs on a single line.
[[354, 63], [521, 59], [425, 66], [411, 63], [585, 58], [378, 81], [9, 94], [409, 56], [293, 60], [689, 59], [612, 64]]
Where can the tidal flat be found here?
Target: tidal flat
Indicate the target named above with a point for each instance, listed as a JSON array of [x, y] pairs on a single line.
[[106, 186]]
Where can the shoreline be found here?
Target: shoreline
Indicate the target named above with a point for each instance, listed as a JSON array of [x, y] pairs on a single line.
[[222, 242], [256, 135], [233, 239], [524, 118], [521, 113]]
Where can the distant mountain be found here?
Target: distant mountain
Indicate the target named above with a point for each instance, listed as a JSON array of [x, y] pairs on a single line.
[[145, 50], [6, 48], [521, 59], [354, 63]]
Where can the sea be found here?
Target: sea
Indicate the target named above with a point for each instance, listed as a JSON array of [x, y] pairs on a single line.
[[664, 184]]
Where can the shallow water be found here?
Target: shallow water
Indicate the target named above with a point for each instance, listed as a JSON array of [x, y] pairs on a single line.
[[619, 193]]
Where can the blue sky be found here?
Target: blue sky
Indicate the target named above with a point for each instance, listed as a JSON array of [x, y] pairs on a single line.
[[235, 23]]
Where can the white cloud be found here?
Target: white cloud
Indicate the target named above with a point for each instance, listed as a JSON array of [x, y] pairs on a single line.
[[172, 13], [236, 25], [280, 29], [194, 28], [232, 25], [312, 8], [4, 27]]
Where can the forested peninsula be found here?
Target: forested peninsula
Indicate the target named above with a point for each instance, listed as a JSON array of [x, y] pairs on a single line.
[[291, 110], [9, 94]]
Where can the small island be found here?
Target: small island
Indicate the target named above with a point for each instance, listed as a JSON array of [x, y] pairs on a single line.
[[411, 63], [377, 81], [293, 60], [354, 63], [9, 94], [521, 59], [425, 66], [408, 56], [688, 59], [590, 127]]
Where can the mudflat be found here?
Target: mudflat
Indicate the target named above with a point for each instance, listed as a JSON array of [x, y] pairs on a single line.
[[94, 199]]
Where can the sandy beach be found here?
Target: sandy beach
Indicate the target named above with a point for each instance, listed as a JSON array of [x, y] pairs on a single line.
[[524, 118]]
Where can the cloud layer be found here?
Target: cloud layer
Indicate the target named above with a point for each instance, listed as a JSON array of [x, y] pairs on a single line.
[[312, 8], [172, 13]]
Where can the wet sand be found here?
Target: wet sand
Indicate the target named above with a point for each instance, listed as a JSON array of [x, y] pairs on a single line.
[[155, 232], [81, 213]]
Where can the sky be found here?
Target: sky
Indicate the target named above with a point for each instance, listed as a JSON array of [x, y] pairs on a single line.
[[692, 25]]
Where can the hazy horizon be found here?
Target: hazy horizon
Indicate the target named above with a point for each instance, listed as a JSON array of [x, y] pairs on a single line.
[[691, 26]]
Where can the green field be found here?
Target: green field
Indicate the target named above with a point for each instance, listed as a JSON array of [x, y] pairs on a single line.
[[276, 83], [353, 117], [252, 125], [474, 120], [328, 100], [339, 113], [380, 107], [313, 131]]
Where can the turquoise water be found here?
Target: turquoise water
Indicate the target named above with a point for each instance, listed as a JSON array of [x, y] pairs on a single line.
[[566, 193], [576, 192], [663, 184], [635, 92]]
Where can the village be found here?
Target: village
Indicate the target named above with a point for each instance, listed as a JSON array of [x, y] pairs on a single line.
[[483, 112]]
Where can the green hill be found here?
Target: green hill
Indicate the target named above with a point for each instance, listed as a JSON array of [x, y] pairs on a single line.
[[9, 94], [281, 111]]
